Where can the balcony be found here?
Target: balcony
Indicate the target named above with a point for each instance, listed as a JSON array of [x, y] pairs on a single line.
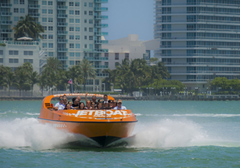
[[62, 7], [101, 17], [62, 16], [101, 25], [7, 5], [62, 32], [95, 50], [33, 6], [6, 30], [62, 40], [102, 74], [62, 49], [102, 9], [101, 41], [101, 1], [96, 59], [34, 14], [62, 24], [6, 22], [6, 14]]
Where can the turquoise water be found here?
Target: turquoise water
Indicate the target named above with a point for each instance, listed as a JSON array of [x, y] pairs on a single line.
[[168, 134]]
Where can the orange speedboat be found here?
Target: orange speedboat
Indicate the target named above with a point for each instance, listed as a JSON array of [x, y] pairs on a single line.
[[102, 126]]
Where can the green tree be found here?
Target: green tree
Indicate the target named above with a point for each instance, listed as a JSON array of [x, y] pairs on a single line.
[[51, 72], [28, 27], [75, 73], [87, 72]]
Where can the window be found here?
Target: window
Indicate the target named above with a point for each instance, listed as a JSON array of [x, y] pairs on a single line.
[[28, 52], [77, 20], [71, 28], [117, 64], [71, 37], [50, 11], [90, 37], [85, 37], [50, 28], [12, 60], [76, 3], [71, 3], [44, 2], [21, 1], [71, 54], [127, 56], [44, 10], [1, 60], [85, 12], [28, 60], [85, 45], [50, 19], [90, 4], [77, 28], [22, 10], [85, 29], [50, 54], [77, 45], [50, 36], [90, 13], [50, 3], [85, 20], [50, 45], [1, 52], [90, 21], [90, 29], [15, 1], [71, 45], [85, 4], [106, 55], [77, 12], [116, 56], [13, 52], [44, 45], [71, 12], [45, 27], [44, 19], [77, 54], [15, 10], [16, 18], [77, 37], [71, 62], [71, 20]]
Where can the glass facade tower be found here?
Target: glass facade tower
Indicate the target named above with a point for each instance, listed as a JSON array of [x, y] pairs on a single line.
[[199, 39]]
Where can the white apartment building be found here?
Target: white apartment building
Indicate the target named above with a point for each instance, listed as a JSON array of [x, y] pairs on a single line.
[[73, 29], [128, 48]]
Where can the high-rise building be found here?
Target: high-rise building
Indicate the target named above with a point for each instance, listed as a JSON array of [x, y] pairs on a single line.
[[73, 29], [199, 39]]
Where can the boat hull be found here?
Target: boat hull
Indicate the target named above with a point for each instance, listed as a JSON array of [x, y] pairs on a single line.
[[104, 133]]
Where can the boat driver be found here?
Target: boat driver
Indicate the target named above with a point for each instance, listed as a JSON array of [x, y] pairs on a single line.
[[119, 106], [60, 105]]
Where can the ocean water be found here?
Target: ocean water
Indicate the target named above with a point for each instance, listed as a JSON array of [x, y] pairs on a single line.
[[168, 134]]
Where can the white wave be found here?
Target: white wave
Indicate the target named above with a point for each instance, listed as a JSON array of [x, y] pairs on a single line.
[[174, 133], [33, 114], [28, 132]]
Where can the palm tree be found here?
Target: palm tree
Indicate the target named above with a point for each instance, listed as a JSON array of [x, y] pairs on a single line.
[[74, 73], [87, 71], [28, 27], [34, 77], [51, 71]]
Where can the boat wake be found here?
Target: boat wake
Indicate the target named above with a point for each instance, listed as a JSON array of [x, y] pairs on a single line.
[[167, 133]]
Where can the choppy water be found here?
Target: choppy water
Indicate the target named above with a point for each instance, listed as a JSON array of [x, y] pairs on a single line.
[[168, 134]]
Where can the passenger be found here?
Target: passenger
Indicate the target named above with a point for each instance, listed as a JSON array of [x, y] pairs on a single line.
[[79, 98], [65, 101], [68, 107], [114, 103], [75, 103], [110, 104], [82, 106], [105, 105], [105, 98], [60, 105], [119, 106], [88, 105], [94, 99], [99, 105], [93, 105]]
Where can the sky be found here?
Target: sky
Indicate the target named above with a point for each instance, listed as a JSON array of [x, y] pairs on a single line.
[[129, 17]]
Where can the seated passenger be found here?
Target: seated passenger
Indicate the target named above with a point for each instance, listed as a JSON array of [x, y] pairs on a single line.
[[88, 105], [68, 107], [75, 103], [99, 105], [60, 105], [105, 105], [110, 104], [119, 106], [82, 106], [93, 105], [105, 98]]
